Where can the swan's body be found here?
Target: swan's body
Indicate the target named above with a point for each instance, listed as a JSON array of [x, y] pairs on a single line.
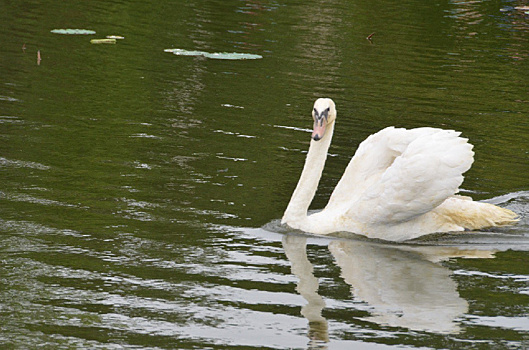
[[400, 184]]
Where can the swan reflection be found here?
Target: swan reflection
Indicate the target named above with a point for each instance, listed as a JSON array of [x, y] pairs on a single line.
[[404, 286], [296, 252]]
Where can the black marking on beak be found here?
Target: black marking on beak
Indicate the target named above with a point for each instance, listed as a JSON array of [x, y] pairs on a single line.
[[320, 121], [320, 117]]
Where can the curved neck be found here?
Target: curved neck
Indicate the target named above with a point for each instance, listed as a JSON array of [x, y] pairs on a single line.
[[308, 181]]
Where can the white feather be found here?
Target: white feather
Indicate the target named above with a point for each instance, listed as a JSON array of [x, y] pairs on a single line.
[[426, 171]]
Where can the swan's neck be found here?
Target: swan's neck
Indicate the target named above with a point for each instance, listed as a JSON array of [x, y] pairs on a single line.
[[298, 206]]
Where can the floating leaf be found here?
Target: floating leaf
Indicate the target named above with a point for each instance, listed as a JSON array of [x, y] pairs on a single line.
[[181, 52], [233, 56], [73, 31], [215, 55], [103, 41]]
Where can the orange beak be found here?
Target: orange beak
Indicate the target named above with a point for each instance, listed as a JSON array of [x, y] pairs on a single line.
[[319, 129]]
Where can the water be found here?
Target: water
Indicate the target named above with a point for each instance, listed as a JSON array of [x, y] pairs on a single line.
[[141, 191]]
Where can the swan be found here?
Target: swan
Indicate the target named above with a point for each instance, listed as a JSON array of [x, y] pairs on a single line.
[[399, 185]]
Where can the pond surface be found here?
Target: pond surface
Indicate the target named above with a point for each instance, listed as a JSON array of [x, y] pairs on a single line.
[[141, 191]]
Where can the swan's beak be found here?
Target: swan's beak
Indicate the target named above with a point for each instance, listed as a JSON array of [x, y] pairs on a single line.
[[319, 129], [320, 122]]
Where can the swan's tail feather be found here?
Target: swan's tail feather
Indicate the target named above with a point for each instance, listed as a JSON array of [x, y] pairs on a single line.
[[476, 215], [496, 216]]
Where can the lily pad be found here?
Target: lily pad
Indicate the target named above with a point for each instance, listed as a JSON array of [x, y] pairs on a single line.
[[73, 31], [215, 55], [103, 41]]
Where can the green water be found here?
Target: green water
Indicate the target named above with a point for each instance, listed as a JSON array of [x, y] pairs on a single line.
[[140, 191]]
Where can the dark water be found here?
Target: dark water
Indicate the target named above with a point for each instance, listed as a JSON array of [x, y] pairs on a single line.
[[140, 191]]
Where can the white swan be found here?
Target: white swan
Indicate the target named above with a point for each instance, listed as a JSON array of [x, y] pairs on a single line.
[[399, 185]]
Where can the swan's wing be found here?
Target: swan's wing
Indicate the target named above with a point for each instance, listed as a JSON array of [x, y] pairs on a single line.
[[428, 171], [372, 158]]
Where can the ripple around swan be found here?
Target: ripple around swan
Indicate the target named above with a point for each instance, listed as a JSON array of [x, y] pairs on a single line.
[[510, 237]]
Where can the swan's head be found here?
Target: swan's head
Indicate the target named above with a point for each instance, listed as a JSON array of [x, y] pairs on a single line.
[[324, 114]]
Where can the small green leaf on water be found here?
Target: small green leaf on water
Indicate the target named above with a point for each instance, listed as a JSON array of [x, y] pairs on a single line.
[[73, 31], [215, 55], [103, 41], [233, 56], [181, 52]]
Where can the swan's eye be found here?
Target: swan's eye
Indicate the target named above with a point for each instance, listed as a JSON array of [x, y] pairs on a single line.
[[325, 113]]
